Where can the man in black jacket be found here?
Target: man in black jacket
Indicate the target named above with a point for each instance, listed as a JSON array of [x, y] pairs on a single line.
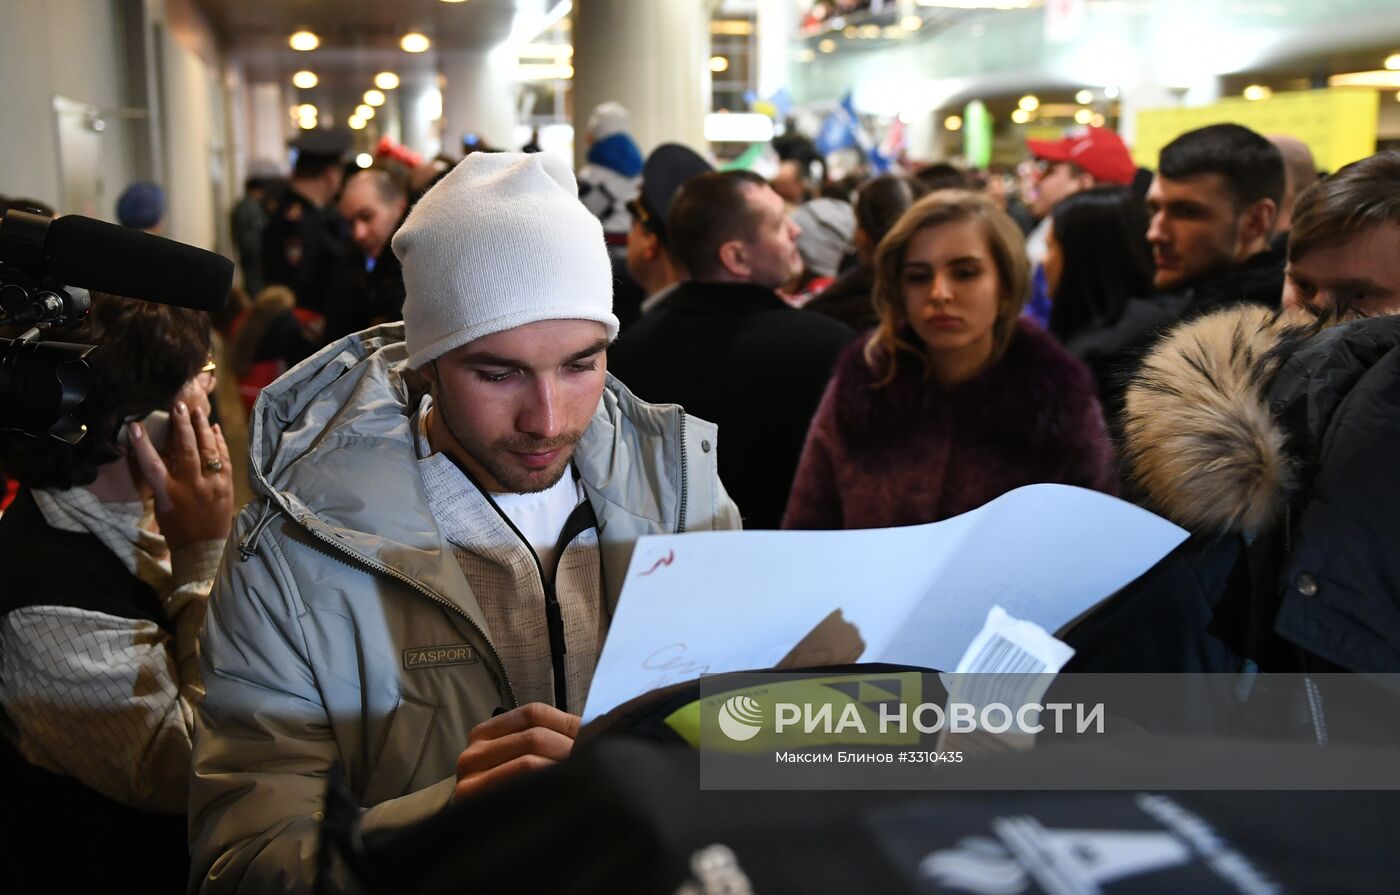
[[304, 240], [1271, 438], [726, 346], [1213, 205], [368, 286]]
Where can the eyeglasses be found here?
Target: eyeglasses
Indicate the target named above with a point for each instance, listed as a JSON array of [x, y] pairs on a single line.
[[206, 375], [639, 212]]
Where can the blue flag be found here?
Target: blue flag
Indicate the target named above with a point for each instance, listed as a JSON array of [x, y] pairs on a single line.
[[840, 128]]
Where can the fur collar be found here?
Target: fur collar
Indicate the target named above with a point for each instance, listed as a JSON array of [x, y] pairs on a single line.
[[1199, 436], [1035, 393]]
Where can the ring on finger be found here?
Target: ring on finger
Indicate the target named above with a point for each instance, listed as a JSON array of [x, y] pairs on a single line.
[[214, 464]]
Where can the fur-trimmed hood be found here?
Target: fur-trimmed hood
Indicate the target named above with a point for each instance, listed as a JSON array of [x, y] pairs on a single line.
[[1225, 417]]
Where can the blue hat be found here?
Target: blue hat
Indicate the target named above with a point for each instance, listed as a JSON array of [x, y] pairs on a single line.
[[141, 205]]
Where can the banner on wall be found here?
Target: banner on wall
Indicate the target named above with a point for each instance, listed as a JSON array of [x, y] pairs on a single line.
[[1337, 123]]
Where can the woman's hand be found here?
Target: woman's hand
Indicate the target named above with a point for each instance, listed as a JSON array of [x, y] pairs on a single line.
[[193, 483]]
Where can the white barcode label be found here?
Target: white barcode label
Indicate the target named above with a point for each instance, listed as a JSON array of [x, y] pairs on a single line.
[[1009, 645], [1000, 656], [1010, 662]]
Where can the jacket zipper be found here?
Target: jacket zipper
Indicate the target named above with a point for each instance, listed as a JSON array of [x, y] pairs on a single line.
[[685, 491], [553, 613], [392, 573], [249, 545]]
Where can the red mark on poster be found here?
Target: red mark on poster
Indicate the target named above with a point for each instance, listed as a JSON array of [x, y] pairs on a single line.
[[666, 560]]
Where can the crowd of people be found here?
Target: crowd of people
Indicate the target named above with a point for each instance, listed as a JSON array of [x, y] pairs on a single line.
[[474, 385]]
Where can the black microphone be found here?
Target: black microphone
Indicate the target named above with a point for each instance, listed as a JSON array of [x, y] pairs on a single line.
[[78, 251]]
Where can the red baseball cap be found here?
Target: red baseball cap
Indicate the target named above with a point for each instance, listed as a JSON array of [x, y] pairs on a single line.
[[1097, 150]]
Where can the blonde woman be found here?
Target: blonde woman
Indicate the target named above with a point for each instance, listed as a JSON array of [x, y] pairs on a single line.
[[952, 401]]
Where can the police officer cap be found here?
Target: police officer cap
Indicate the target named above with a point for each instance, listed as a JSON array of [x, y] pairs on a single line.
[[322, 144], [666, 170]]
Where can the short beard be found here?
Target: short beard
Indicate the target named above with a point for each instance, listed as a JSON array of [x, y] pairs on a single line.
[[515, 481], [512, 480]]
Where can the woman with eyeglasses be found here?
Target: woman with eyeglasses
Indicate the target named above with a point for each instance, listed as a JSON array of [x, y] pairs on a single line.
[[952, 401], [108, 554]]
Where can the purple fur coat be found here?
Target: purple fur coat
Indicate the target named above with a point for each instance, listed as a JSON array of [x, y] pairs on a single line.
[[912, 452]]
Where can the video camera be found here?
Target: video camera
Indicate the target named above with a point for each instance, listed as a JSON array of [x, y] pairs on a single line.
[[46, 267]]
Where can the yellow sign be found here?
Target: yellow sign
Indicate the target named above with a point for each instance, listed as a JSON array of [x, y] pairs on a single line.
[[1338, 124]]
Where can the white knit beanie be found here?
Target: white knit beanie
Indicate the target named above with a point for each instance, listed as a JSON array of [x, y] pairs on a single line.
[[607, 119], [500, 242]]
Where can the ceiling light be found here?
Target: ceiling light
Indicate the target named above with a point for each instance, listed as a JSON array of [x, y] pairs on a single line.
[[806, 55], [732, 27], [1028, 103], [953, 122], [413, 42], [1084, 97], [386, 80], [738, 127], [364, 160], [827, 45], [1110, 92], [374, 98], [307, 124], [1392, 62], [304, 80], [1020, 116], [306, 110], [364, 111], [1256, 92], [356, 123], [911, 23], [304, 41], [1098, 120], [719, 64], [1083, 116], [1385, 80]]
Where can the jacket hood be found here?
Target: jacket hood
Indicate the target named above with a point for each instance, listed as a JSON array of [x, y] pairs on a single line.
[[332, 442], [1225, 418]]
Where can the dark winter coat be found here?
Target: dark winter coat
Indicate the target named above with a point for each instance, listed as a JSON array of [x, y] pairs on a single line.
[[848, 299], [359, 298], [741, 357], [913, 452], [1276, 448], [1113, 351], [1258, 280]]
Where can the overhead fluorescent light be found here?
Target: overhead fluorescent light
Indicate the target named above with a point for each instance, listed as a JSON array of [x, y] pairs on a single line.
[[738, 127], [1386, 80]]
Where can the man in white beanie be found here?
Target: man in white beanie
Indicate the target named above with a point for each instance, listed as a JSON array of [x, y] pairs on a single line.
[[421, 587]]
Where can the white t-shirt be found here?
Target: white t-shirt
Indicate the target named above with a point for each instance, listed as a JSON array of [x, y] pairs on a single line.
[[541, 516]]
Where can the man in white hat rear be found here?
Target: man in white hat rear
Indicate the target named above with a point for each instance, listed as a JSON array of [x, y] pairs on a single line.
[[444, 514]]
